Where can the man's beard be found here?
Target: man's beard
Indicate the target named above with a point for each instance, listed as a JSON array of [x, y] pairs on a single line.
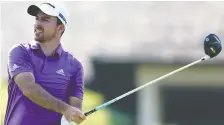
[[39, 38], [42, 38]]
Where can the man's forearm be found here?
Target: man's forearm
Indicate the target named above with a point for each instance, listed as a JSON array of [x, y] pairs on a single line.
[[41, 97]]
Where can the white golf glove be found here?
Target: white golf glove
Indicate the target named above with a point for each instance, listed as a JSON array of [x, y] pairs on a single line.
[[64, 121]]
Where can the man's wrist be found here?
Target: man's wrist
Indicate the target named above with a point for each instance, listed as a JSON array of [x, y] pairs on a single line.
[[62, 107]]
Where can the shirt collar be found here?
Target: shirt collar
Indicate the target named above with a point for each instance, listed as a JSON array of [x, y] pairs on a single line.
[[36, 46]]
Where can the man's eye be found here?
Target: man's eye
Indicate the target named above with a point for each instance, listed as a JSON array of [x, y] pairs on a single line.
[[44, 19]]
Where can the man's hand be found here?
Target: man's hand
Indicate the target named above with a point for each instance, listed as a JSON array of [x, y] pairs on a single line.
[[74, 114]]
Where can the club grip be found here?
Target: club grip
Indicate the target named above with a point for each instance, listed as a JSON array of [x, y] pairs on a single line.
[[90, 112]]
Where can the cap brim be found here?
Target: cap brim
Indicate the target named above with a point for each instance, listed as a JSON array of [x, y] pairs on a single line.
[[33, 10]]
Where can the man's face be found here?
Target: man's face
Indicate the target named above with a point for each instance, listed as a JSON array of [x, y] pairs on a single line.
[[45, 27]]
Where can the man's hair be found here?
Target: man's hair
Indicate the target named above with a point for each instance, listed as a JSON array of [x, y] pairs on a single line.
[[59, 23]]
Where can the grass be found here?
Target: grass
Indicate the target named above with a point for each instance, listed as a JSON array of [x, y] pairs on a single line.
[[3, 101], [91, 100]]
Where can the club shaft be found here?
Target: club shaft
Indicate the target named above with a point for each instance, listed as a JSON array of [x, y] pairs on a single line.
[[146, 84]]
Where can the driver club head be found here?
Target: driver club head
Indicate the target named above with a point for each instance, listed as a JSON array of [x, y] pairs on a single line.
[[212, 45]]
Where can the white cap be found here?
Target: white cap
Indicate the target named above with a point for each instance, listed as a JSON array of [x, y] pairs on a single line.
[[52, 8]]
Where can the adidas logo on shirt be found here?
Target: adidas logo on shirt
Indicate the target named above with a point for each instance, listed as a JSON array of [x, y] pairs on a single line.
[[14, 67], [61, 72]]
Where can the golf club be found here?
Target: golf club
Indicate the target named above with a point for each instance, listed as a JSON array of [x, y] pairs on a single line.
[[212, 47]]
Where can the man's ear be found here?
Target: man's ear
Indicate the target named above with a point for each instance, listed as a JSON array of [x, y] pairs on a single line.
[[61, 28]]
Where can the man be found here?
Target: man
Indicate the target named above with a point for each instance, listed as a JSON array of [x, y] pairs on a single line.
[[45, 82]]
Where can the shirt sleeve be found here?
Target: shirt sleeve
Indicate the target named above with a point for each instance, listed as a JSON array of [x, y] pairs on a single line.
[[18, 61], [76, 88]]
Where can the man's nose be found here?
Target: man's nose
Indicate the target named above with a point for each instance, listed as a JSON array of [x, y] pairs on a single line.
[[38, 22]]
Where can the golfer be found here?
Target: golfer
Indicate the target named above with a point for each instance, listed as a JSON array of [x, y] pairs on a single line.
[[45, 82]]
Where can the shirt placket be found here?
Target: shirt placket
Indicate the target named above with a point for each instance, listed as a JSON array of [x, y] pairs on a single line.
[[47, 67]]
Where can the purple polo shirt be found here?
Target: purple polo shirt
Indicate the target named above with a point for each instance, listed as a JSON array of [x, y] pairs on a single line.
[[60, 74]]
